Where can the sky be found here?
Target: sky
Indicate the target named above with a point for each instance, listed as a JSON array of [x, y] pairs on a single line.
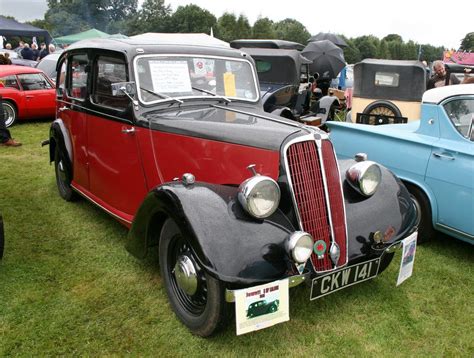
[[424, 22]]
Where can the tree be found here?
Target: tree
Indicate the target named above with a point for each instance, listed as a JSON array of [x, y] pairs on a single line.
[[467, 44], [226, 27], [382, 50], [393, 37], [367, 46], [244, 31], [68, 16], [263, 29], [351, 53], [192, 18], [291, 30], [154, 16]]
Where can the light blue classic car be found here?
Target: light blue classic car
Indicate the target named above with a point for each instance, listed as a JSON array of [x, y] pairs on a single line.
[[433, 156]]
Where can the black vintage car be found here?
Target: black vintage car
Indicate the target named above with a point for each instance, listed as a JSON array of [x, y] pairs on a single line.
[[169, 136], [286, 82]]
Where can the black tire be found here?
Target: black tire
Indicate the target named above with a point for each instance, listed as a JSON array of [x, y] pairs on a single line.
[[63, 177], [11, 114], [424, 221], [385, 108], [2, 237], [205, 311]]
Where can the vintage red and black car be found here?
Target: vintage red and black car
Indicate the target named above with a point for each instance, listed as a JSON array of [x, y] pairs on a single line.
[[169, 137]]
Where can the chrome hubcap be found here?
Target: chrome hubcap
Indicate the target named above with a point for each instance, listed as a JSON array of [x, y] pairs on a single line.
[[8, 115], [186, 276], [62, 172]]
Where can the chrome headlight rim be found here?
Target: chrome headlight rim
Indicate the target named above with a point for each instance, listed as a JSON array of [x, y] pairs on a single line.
[[299, 240], [248, 186], [359, 173]]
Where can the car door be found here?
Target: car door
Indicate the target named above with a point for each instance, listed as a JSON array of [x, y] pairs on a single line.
[[71, 111], [38, 93], [450, 172], [115, 171]]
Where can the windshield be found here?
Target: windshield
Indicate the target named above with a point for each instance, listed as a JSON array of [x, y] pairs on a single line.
[[182, 76]]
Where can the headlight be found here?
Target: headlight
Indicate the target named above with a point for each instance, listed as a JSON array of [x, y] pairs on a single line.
[[300, 246], [259, 196], [365, 177]]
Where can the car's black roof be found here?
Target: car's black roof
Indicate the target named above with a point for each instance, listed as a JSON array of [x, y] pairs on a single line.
[[261, 43], [161, 43]]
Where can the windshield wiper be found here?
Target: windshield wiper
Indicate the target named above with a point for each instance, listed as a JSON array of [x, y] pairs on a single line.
[[211, 93], [161, 95]]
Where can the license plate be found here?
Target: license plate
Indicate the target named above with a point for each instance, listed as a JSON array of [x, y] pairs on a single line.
[[345, 277]]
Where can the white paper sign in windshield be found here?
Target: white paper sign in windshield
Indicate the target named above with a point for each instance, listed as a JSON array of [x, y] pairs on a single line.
[[170, 76]]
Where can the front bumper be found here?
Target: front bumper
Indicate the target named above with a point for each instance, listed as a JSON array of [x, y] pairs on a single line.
[[296, 280]]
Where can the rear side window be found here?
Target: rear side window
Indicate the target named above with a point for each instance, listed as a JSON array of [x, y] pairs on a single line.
[[61, 80], [33, 81], [78, 76], [10, 82], [461, 114], [109, 70]]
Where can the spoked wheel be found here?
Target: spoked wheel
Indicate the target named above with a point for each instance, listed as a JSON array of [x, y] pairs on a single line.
[[10, 113], [63, 180], [197, 298], [379, 109]]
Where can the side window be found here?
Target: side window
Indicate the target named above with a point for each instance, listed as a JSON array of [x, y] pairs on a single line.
[[461, 114], [77, 76], [109, 70], [61, 80], [33, 81], [10, 82]]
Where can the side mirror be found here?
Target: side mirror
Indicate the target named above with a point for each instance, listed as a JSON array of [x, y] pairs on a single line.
[[120, 89]]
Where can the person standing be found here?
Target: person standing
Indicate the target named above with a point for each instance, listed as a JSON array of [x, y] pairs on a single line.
[[439, 77], [44, 51], [5, 136], [27, 53], [36, 53]]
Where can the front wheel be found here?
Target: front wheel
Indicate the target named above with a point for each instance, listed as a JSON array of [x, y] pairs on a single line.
[[423, 208], [197, 298], [63, 177]]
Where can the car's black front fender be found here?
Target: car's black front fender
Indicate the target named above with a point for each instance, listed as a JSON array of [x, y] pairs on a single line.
[[229, 244], [390, 210]]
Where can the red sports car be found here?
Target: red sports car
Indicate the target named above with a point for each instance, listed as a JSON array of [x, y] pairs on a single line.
[[27, 93]]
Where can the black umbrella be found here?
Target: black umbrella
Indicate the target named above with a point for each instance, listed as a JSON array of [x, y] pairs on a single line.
[[335, 39], [326, 57]]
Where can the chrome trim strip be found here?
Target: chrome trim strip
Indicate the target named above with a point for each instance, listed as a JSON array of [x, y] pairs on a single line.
[[319, 146], [93, 111], [459, 232], [100, 206], [343, 205], [293, 281], [135, 72]]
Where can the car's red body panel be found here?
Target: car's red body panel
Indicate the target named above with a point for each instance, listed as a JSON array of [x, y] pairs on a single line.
[[38, 103]]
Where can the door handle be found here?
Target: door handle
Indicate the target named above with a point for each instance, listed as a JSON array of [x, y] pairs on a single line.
[[443, 156], [61, 109], [128, 130], [28, 97]]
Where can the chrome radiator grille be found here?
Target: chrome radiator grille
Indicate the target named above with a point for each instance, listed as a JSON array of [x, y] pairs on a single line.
[[318, 208]]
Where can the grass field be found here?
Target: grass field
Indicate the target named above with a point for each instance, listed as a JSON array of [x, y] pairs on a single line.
[[68, 287]]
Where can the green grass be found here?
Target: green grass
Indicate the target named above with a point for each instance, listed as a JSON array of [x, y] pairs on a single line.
[[68, 287]]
